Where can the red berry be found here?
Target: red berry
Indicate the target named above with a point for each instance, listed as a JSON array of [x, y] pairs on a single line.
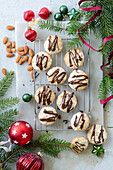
[[29, 15], [44, 13], [30, 35]]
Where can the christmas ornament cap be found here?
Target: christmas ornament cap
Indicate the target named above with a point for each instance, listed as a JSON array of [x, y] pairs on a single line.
[[30, 161], [20, 133]]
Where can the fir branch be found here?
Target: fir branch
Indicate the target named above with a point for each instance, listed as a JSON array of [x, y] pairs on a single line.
[[8, 102], [9, 115], [6, 82], [49, 145], [52, 26]]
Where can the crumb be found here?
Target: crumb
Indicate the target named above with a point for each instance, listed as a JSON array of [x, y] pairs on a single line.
[[69, 127], [65, 121], [58, 89], [81, 111], [96, 119], [23, 84], [59, 117]]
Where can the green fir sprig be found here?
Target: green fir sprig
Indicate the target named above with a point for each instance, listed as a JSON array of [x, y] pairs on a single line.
[[6, 82], [8, 102]]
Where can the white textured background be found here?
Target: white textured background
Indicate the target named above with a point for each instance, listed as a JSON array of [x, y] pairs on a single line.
[[11, 11]]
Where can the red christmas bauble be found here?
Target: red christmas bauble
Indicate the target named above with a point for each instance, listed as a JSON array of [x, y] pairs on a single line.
[[30, 161], [20, 133], [44, 13], [30, 35], [29, 15]]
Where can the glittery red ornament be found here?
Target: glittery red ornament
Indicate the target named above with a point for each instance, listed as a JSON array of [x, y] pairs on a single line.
[[29, 15], [30, 161], [20, 133], [44, 13], [30, 34]]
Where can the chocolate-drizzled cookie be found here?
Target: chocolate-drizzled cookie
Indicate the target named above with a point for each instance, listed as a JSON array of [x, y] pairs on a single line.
[[53, 44], [56, 75], [44, 96], [78, 80], [97, 134], [66, 101], [74, 58], [79, 144], [41, 61], [80, 121], [47, 116]]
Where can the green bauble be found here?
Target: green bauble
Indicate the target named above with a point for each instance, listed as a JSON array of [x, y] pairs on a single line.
[[58, 16], [27, 97], [63, 9]]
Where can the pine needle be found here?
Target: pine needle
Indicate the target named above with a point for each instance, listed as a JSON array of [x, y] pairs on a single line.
[[6, 82], [8, 102]]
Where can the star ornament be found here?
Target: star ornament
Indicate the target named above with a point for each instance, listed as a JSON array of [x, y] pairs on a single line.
[[21, 134], [98, 150]]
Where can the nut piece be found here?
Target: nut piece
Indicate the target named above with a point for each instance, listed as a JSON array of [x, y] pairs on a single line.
[[30, 68], [21, 53], [30, 61], [31, 52], [32, 74], [26, 49], [4, 71], [25, 58], [8, 50], [13, 50], [21, 61], [20, 49], [5, 39], [9, 55], [17, 58], [13, 44], [8, 44], [10, 27]]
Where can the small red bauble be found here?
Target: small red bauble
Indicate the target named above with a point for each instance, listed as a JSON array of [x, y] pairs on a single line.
[[20, 133], [44, 13], [29, 15], [30, 35], [30, 161]]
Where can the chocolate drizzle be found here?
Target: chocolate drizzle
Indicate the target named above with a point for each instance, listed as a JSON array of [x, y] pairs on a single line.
[[49, 119], [45, 96], [67, 104], [79, 81], [39, 60], [79, 147], [75, 57], [80, 120], [100, 137], [52, 45], [56, 76]]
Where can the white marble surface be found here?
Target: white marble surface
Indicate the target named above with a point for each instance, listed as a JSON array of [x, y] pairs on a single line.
[[11, 11]]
